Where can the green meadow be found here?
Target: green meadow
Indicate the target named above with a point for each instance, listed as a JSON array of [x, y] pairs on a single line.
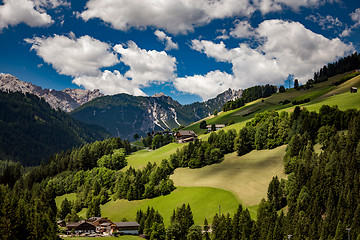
[[247, 177], [204, 202], [70, 197], [140, 158]]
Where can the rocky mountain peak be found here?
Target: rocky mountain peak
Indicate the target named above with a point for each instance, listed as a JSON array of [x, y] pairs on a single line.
[[230, 94], [158, 95], [83, 96], [66, 100]]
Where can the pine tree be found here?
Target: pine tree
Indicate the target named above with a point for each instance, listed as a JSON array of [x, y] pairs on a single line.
[[206, 230]]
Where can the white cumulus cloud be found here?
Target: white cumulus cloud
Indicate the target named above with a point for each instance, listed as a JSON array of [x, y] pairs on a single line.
[[83, 58], [175, 16], [285, 48], [146, 66], [297, 50], [74, 56], [13, 12], [242, 29], [206, 86], [109, 83], [182, 16], [169, 44]]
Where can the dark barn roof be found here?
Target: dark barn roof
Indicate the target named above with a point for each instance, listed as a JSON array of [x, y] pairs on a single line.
[[126, 224]]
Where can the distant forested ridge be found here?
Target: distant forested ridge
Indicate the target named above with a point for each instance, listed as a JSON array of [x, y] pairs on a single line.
[[31, 130]]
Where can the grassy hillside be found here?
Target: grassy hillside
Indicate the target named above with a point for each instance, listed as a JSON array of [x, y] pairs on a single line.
[[236, 180], [247, 177], [140, 158], [70, 197], [319, 94], [204, 202]]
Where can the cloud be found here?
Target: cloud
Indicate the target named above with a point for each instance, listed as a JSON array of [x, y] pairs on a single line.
[[285, 48], [109, 83], [267, 6], [298, 50], [249, 66], [84, 57], [74, 57], [182, 16], [13, 12], [146, 66], [51, 4], [207, 86], [224, 35], [242, 29], [346, 32], [176, 16], [355, 16], [328, 22], [169, 44]]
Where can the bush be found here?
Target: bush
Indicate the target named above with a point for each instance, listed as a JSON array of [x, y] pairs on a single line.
[[306, 100]]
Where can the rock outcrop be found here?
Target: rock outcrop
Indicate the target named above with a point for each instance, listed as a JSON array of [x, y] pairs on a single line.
[[66, 100]]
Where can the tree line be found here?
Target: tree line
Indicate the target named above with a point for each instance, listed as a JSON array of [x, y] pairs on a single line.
[[249, 95], [157, 141], [343, 65]]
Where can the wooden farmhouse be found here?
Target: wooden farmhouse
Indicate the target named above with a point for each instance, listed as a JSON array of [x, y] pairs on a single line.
[[127, 228], [184, 136], [80, 227], [101, 224]]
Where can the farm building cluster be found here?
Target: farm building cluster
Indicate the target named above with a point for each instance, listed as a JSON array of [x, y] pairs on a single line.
[[184, 136], [98, 226]]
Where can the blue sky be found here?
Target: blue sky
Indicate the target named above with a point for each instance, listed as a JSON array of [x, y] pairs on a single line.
[[191, 50]]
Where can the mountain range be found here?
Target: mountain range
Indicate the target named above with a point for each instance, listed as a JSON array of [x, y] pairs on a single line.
[[66, 100], [122, 115]]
